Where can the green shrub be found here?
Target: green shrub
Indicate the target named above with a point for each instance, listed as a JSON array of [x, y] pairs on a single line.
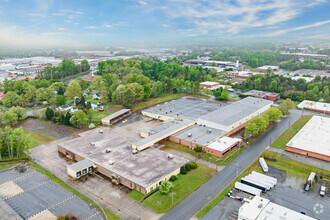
[[198, 149], [193, 165], [188, 168], [183, 170], [173, 178]]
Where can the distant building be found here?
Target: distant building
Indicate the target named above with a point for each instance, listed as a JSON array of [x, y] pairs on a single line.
[[2, 95], [308, 79], [64, 107], [315, 106], [210, 85], [264, 69], [260, 209], [306, 55], [223, 146], [115, 117], [223, 64], [313, 139], [273, 96], [88, 78], [243, 74], [311, 72]]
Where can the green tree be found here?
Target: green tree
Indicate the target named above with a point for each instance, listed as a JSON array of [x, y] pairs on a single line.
[[10, 98], [19, 111], [30, 93], [49, 113], [10, 118], [251, 129], [60, 100], [67, 118], [286, 106], [60, 91], [73, 90], [183, 170], [78, 119], [165, 187], [225, 96], [274, 114], [129, 98]]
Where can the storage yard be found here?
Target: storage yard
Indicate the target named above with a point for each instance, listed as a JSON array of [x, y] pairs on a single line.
[[288, 193]]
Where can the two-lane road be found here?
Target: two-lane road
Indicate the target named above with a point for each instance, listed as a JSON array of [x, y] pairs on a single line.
[[198, 199]]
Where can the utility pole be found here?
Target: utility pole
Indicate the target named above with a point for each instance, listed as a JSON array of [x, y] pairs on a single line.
[[172, 199]]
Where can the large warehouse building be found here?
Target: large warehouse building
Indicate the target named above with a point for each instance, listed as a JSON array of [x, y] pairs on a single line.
[[203, 123], [235, 116], [315, 106], [313, 139], [261, 209], [112, 155]]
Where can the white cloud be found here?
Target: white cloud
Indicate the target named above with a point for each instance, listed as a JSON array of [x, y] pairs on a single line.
[[107, 25], [35, 15], [223, 16], [143, 2], [166, 25], [58, 14], [62, 29], [284, 31], [91, 27]]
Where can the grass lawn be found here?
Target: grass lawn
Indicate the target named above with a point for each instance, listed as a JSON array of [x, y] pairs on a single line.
[[183, 186], [138, 196], [154, 101], [289, 133], [293, 167], [65, 186], [38, 138], [4, 165], [181, 147]]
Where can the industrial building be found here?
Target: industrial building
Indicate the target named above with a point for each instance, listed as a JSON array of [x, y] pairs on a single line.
[[115, 117], [184, 108], [235, 116], [197, 123], [273, 96], [311, 72], [112, 155], [260, 209], [264, 69], [210, 85], [223, 64], [315, 106], [313, 139]]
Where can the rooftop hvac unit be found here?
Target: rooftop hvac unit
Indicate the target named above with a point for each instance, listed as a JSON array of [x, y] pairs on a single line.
[[111, 162], [170, 156], [135, 151], [224, 142], [219, 141], [101, 131], [209, 130], [107, 150], [93, 143], [189, 134]]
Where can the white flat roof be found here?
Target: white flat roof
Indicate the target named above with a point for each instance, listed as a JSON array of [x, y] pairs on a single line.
[[210, 83], [251, 210], [314, 105], [223, 143], [266, 67], [273, 212], [260, 209], [314, 136]]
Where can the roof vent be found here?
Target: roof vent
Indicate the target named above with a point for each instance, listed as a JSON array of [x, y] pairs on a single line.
[[170, 156], [189, 134], [101, 131], [107, 150], [224, 142], [209, 130], [135, 151], [219, 141], [93, 143], [111, 162], [260, 206]]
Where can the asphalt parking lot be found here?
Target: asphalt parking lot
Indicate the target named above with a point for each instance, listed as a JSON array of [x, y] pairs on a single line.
[[289, 192], [32, 195]]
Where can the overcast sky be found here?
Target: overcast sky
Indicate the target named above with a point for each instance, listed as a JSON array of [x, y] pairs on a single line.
[[79, 22]]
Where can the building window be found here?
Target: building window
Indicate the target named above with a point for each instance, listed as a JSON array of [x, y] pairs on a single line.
[[78, 173], [84, 171], [90, 169], [152, 188]]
